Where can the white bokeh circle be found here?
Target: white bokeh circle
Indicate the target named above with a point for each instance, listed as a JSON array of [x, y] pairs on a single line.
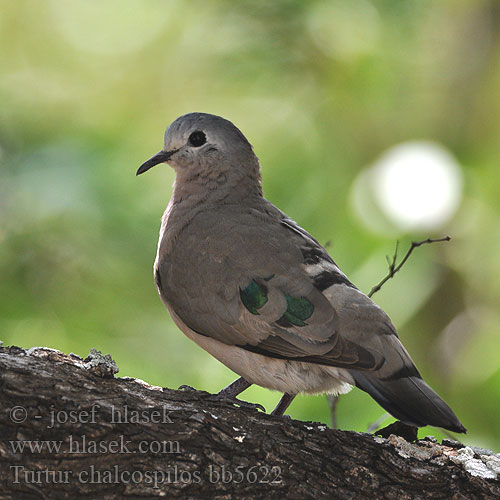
[[416, 185]]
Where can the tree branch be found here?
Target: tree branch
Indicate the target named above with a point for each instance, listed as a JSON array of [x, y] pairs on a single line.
[[70, 429]]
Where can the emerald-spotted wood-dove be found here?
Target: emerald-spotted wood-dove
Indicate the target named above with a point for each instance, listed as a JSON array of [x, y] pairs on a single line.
[[259, 293]]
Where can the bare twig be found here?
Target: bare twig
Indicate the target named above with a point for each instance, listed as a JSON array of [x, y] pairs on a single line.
[[333, 401], [373, 427], [393, 268]]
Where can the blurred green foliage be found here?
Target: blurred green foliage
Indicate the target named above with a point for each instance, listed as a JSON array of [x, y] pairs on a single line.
[[321, 89]]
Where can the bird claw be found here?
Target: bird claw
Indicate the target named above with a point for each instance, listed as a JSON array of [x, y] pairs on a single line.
[[240, 403], [186, 388], [222, 397], [286, 417], [247, 404]]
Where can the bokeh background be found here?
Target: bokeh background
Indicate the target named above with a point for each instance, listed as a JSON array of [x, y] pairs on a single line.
[[374, 120]]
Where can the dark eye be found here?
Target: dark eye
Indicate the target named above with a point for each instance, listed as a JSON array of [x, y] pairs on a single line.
[[197, 138]]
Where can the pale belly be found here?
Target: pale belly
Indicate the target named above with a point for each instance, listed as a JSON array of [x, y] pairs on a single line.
[[292, 377]]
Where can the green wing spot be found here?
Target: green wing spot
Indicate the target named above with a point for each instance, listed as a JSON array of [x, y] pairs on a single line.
[[298, 310], [254, 296]]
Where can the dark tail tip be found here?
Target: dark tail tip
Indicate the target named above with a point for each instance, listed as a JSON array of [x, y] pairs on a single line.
[[410, 400]]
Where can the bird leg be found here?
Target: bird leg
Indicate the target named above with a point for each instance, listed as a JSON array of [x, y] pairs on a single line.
[[232, 390], [283, 404]]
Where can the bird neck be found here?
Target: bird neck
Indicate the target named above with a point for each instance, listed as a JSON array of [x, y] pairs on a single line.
[[226, 187]]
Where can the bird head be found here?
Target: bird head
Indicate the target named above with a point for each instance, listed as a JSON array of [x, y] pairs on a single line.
[[201, 144]]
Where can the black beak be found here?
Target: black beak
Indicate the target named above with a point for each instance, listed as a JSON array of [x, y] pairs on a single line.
[[160, 157]]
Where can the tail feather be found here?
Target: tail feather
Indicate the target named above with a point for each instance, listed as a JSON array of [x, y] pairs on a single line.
[[410, 400]]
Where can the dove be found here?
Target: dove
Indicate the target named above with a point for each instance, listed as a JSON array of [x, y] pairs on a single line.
[[255, 290]]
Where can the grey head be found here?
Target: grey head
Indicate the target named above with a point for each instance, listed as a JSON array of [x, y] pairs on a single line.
[[207, 147]]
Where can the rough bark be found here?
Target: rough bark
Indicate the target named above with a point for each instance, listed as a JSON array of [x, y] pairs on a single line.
[[190, 444]]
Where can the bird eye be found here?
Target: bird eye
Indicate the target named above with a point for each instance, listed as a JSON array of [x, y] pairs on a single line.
[[197, 138]]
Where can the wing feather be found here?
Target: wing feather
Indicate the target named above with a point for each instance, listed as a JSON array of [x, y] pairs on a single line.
[[268, 286]]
